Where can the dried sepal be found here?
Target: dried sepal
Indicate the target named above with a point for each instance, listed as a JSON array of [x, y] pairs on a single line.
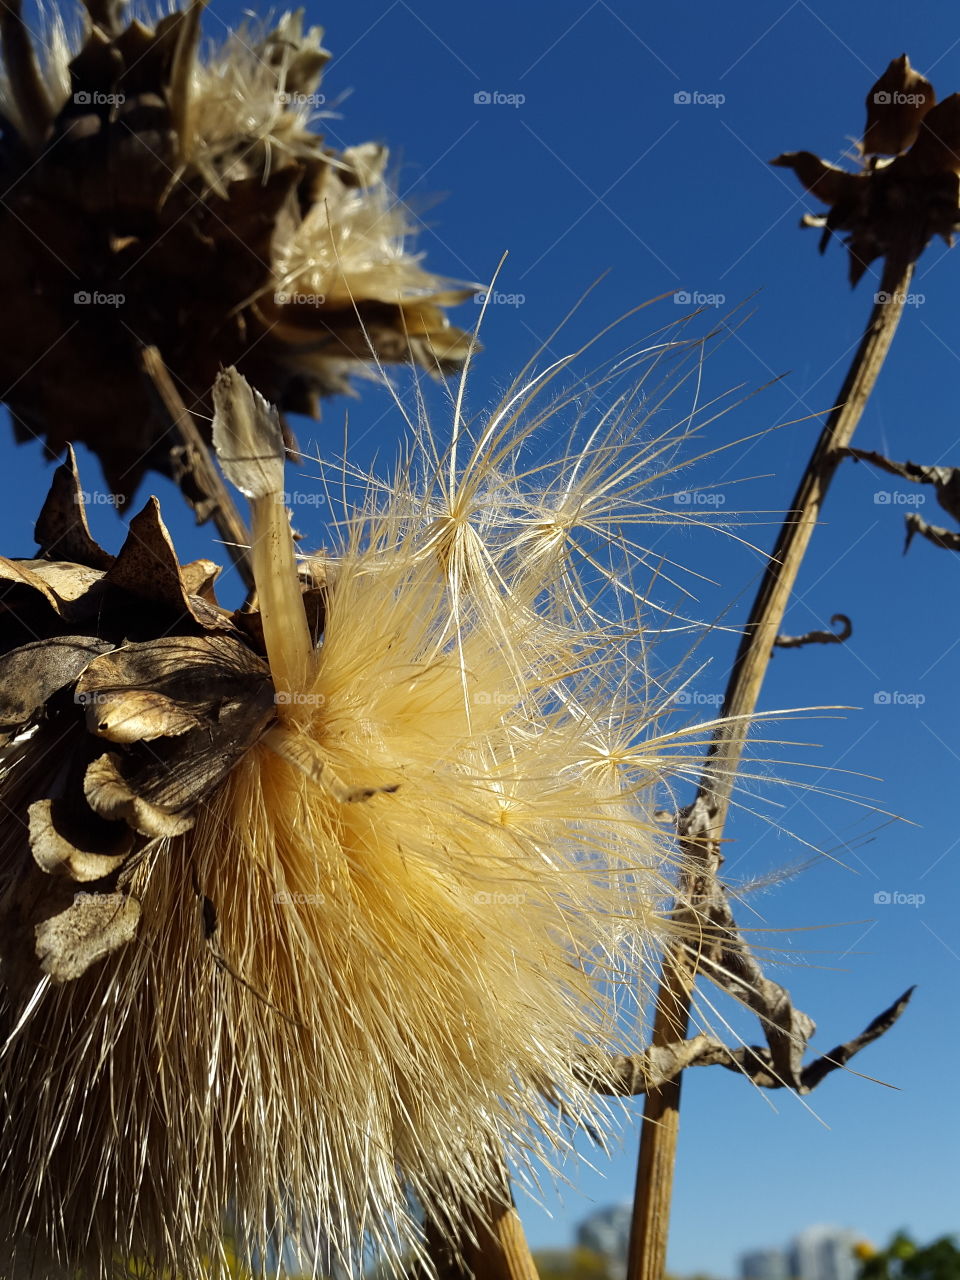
[[896, 106], [31, 674], [62, 531], [57, 855], [90, 928], [826, 181], [936, 153], [177, 709], [891, 207], [147, 566]]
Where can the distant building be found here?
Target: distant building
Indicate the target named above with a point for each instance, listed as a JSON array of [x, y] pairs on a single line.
[[607, 1232], [764, 1264], [823, 1253]]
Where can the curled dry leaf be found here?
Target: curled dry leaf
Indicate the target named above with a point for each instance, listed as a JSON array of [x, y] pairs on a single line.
[[839, 620], [946, 483]]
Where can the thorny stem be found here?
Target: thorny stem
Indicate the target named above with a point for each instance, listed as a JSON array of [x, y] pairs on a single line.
[[700, 827]]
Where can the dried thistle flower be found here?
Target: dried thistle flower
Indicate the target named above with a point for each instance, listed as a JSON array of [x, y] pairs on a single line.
[[304, 911], [908, 189], [153, 196]]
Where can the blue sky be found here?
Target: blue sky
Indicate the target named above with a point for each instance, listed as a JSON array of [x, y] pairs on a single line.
[[602, 169]]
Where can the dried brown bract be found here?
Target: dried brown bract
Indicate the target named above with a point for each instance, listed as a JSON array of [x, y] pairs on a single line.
[[908, 188], [155, 198]]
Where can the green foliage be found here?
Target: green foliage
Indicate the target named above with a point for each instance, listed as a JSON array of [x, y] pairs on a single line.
[[904, 1259]]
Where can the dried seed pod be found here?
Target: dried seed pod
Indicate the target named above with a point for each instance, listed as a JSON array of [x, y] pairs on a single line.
[[157, 199], [301, 920], [909, 187]]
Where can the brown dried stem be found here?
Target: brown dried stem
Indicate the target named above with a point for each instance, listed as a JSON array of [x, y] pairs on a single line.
[[489, 1244], [700, 827], [633, 1074], [195, 470]]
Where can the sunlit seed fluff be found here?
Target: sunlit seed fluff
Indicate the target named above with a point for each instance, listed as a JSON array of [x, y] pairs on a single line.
[[436, 877]]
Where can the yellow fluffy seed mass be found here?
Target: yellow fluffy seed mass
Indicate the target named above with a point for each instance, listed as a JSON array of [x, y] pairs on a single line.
[[432, 880]]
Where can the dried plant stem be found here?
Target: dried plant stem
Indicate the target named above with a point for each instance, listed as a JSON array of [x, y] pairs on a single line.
[[201, 482], [701, 825], [491, 1246]]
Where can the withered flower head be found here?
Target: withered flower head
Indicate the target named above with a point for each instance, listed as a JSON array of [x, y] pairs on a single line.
[[304, 911], [157, 199], [908, 189]]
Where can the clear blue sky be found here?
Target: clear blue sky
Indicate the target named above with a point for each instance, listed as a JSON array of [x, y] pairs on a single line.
[[599, 170]]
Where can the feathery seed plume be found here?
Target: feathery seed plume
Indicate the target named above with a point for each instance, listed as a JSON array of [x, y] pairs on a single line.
[[305, 911]]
